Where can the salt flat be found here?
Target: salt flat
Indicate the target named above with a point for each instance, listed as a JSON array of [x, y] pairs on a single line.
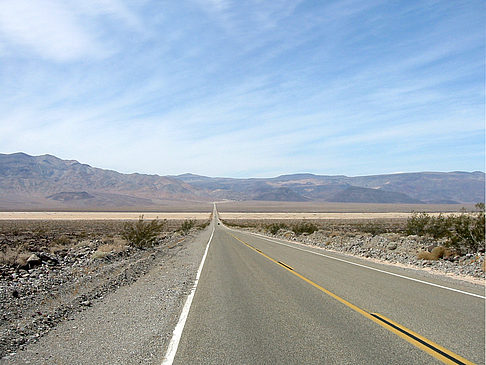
[[274, 215], [99, 215]]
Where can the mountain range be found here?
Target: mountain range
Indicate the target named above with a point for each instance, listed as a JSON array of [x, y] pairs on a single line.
[[48, 182]]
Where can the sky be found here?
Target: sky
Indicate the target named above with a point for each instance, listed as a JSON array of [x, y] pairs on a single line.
[[245, 88]]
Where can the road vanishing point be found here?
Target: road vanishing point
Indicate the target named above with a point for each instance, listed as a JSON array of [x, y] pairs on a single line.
[[264, 301]]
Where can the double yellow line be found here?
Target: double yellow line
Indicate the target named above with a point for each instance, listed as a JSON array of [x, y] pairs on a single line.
[[430, 347]]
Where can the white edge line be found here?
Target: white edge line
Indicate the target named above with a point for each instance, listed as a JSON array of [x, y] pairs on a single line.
[[361, 265], [177, 334]]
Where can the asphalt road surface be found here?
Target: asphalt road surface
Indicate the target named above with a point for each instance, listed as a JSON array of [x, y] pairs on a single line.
[[261, 301]]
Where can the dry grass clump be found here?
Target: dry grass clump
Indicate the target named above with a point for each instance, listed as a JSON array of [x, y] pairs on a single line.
[[438, 252], [113, 246], [99, 254], [14, 256], [62, 240]]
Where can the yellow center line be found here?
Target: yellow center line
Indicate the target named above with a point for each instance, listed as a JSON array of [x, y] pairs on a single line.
[[430, 347]]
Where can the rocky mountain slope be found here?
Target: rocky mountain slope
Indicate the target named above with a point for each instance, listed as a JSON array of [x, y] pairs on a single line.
[[47, 182], [420, 187]]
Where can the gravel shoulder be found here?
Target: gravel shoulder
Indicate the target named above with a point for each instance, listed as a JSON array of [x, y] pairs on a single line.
[[130, 325]]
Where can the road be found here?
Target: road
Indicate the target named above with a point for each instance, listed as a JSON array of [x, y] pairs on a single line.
[[261, 301]]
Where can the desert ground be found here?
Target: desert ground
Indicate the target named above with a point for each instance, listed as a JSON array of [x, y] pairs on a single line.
[[323, 207], [319, 216], [53, 268]]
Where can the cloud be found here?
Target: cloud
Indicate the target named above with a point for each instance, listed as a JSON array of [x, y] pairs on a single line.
[[61, 31], [243, 88], [48, 28]]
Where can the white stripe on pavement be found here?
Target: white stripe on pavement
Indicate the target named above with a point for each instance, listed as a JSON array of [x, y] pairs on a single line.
[[361, 265], [177, 334]]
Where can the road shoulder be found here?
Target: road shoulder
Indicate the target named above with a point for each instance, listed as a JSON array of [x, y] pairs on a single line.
[[132, 325]]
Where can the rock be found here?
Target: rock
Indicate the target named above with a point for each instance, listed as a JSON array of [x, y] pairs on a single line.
[[289, 234], [431, 247], [392, 246], [49, 258], [86, 303], [34, 260]]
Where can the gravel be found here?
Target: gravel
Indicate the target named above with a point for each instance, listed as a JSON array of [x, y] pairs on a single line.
[[121, 308]]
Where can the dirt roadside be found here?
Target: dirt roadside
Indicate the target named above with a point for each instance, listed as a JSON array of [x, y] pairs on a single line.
[[125, 318]]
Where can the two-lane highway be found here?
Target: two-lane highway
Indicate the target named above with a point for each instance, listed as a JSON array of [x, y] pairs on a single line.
[[260, 301]]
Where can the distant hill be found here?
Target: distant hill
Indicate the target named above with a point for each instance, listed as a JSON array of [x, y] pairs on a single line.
[[70, 195], [47, 182], [420, 187], [280, 194], [355, 194]]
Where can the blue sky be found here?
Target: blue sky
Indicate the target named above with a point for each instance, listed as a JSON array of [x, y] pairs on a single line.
[[245, 88]]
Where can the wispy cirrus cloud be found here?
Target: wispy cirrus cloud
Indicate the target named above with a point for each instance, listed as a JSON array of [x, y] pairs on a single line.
[[61, 30], [47, 29], [244, 88]]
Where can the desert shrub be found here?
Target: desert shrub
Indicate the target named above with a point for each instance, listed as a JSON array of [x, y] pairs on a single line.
[[438, 227], [230, 223], [465, 230], [82, 234], [273, 228], [417, 224], [142, 233], [468, 230], [187, 225], [304, 227], [373, 228], [62, 240], [203, 225], [39, 232], [14, 256]]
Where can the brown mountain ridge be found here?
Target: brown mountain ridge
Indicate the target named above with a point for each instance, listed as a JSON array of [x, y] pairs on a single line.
[[47, 182]]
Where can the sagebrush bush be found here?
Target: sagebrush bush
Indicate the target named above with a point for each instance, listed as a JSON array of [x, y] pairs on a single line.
[[468, 230], [438, 227], [62, 240], [187, 225], [204, 224], [14, 256], [273, 228], [417, 224], [304, 227], [373, 228], [142, 233], [463, 231]]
